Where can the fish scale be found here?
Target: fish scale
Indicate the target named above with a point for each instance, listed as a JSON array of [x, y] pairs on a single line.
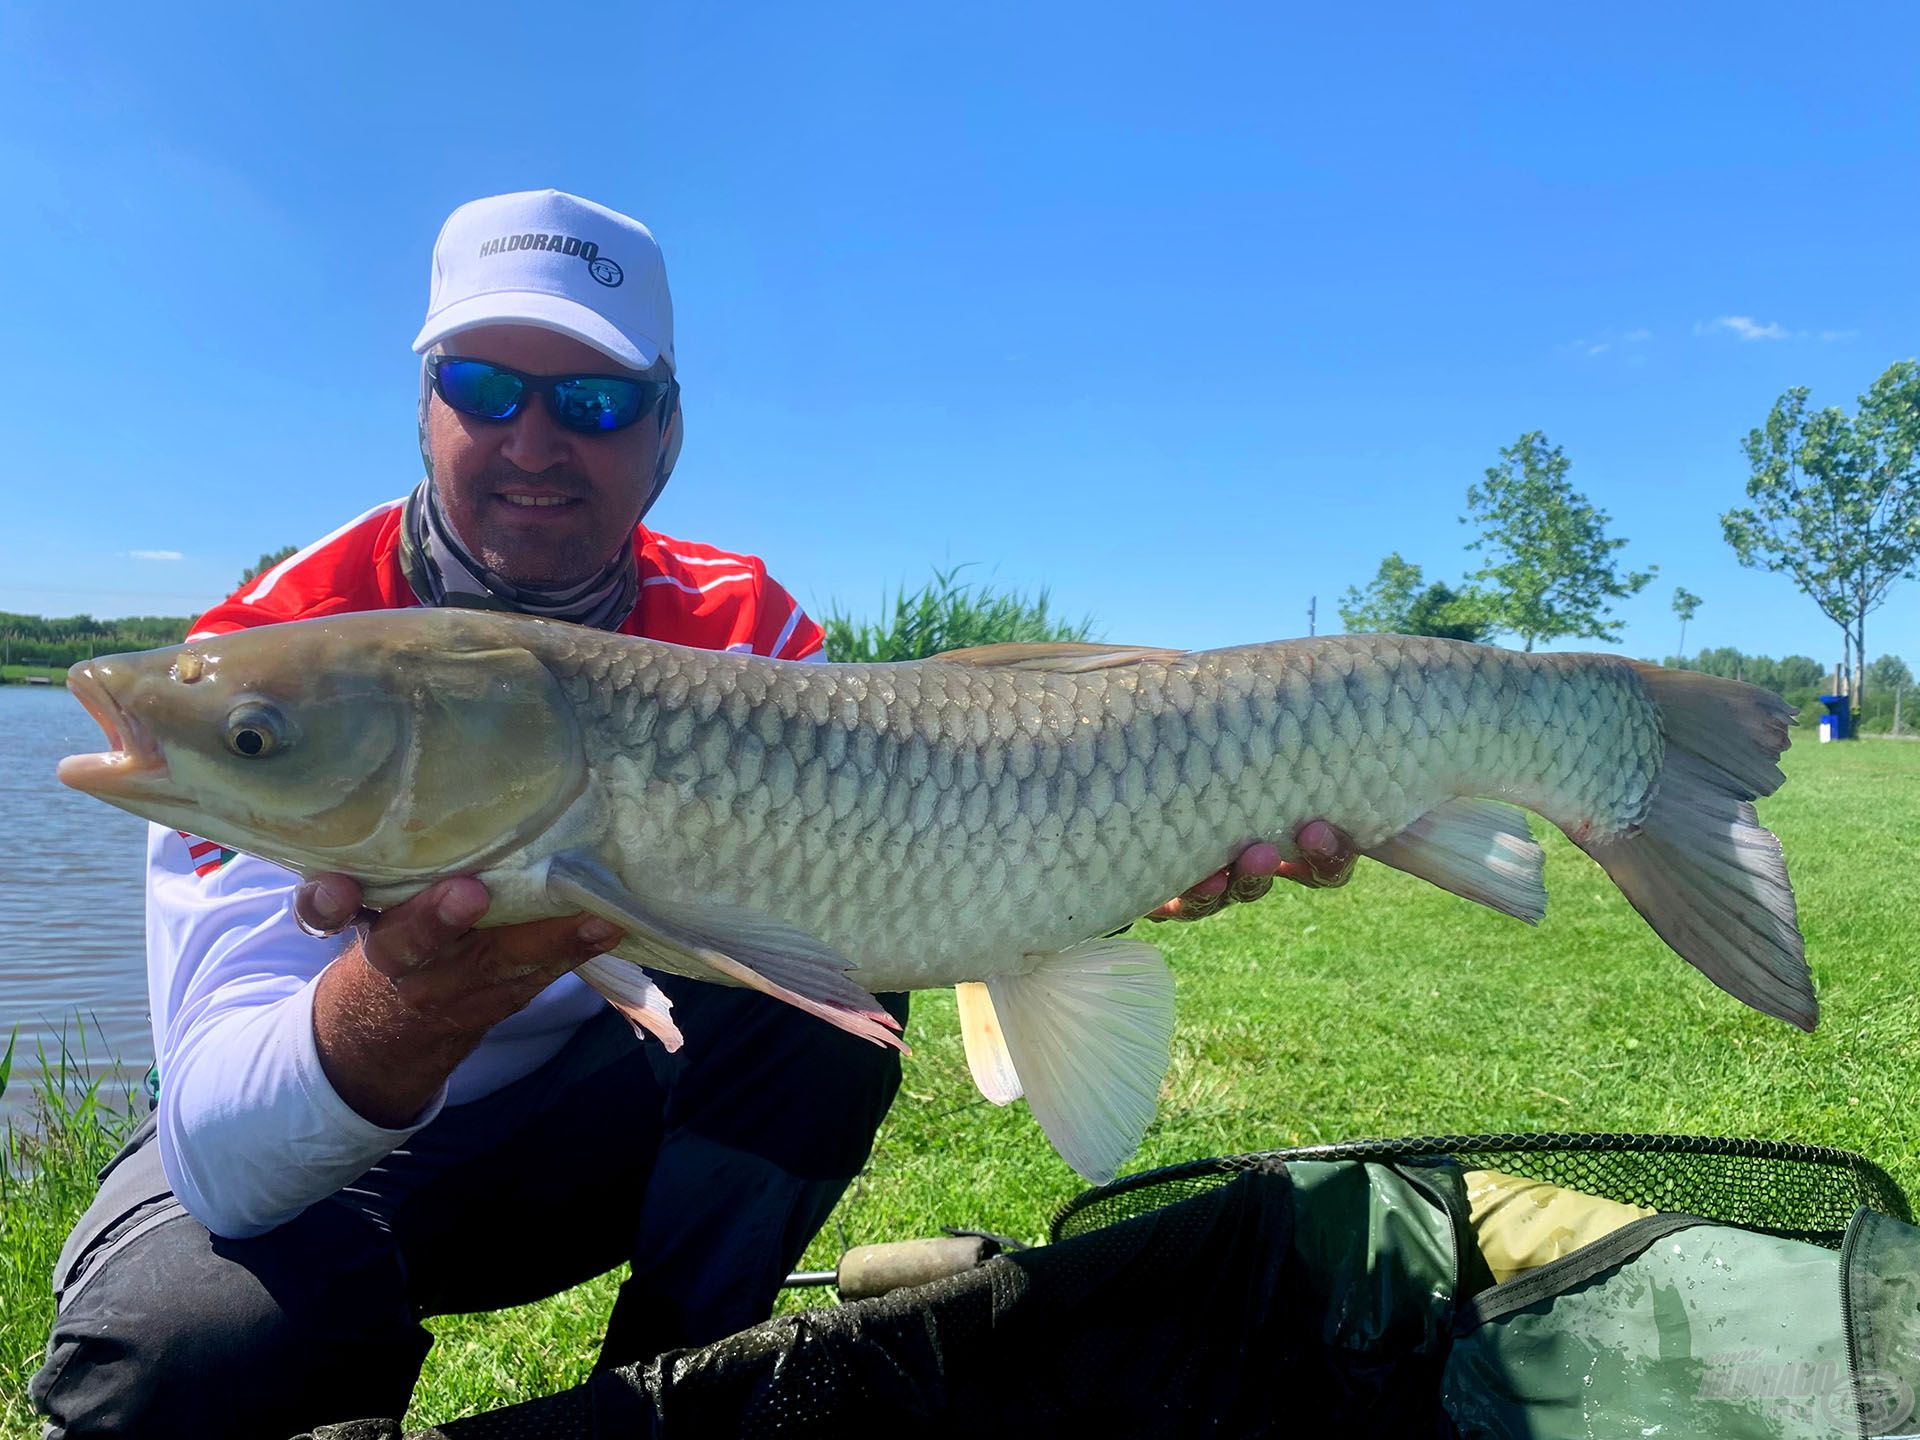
[[947, 790]]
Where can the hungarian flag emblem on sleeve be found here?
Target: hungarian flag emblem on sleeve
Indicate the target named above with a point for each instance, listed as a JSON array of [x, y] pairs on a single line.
[[207, 857]]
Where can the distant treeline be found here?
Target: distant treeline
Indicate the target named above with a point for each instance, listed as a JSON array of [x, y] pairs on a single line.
[[67, 640], [1802, 681]]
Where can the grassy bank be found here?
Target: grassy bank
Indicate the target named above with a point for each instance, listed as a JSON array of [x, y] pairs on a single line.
[[20, 674], [1386, 1008], [47, 1170]]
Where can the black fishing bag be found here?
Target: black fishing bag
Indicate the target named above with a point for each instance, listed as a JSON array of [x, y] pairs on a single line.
[[1478, 1286]]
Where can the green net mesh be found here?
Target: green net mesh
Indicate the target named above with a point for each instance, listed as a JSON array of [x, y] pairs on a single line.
[[1801, 1192]]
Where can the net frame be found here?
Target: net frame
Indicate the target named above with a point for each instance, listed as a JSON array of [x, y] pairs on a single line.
[[1798, 1192]]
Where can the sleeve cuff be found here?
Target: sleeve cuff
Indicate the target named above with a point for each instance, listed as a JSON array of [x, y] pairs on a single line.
[[335, 1116]]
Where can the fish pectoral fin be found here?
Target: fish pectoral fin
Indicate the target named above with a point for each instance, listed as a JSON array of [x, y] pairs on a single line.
[[1072, 656], [625, 986], [727, 944], [1479, 849], [1090, 1031], [986, 1044]]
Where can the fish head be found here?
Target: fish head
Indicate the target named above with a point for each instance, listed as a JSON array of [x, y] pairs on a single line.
[[391, 746]]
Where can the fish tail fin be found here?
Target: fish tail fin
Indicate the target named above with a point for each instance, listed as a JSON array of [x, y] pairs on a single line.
[[1709, 879]]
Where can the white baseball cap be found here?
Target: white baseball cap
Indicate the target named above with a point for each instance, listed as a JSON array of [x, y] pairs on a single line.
[[552, 260]]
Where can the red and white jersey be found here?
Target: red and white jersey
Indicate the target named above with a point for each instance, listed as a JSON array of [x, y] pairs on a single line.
[[250, 1130], [689, 594]]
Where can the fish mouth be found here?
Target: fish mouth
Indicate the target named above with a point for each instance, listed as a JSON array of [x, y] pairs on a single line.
[[133, 767]]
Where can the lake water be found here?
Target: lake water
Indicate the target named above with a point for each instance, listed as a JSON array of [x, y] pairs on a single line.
[[72, 929]]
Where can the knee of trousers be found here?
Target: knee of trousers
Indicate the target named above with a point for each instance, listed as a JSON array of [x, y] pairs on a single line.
[[164, 1329]]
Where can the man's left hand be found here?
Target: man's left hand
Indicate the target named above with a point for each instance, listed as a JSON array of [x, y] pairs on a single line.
[[1326, 861]]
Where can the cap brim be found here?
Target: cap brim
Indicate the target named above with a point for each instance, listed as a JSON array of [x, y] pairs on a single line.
[[544, 312]]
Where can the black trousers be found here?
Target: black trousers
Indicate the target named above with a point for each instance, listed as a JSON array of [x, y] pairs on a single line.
[[709, 1171]]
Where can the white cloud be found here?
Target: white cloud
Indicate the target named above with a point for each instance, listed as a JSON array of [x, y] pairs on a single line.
[[1608, 340], [1839, 334], [156, 555], [1746, 327]]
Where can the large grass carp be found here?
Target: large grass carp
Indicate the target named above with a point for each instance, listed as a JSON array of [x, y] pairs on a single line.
[[984, 819]]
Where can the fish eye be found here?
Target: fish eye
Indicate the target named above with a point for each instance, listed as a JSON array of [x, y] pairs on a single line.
[[255, 731]]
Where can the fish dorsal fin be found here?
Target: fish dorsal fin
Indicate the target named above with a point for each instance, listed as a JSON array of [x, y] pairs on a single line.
[[724, 943], [1090, 1031], [986, 1044], [1070, 656]]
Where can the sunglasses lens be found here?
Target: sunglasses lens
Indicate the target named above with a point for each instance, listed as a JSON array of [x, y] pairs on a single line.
[[598, 403], [479, 389]]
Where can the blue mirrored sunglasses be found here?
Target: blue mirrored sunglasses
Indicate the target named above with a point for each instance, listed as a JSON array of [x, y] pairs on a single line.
[[590, 404]]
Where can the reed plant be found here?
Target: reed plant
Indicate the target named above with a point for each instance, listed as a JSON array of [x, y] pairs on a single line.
[[947, 613]]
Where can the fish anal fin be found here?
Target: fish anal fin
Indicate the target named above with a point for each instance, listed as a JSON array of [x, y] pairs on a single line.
[[727, 944], [986, 1044], [1090, 1032], [1479, 849], [1069, 656], [625, 986]]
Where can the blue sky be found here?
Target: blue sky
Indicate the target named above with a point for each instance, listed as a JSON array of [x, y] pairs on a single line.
[[1190, 317]]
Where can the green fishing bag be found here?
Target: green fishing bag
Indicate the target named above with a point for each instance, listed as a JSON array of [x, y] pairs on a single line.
[[1488, 1287], [1634, 1286]]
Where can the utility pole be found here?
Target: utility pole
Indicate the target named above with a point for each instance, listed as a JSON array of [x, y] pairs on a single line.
[[1313, 609]]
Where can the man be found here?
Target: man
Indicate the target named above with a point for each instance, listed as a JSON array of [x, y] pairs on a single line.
[[362, 1120]]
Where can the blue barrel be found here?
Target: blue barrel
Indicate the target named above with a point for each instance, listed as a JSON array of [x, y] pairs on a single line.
[[1837, 723]]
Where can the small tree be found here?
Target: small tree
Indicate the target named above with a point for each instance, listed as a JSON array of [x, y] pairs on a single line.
[[1836, 502], [1382, 607], [267, 562], [1398, 601], [1685, 603], [1548, 555]]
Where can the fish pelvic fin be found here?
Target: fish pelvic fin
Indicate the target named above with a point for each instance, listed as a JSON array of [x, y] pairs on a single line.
[[1710, 880], [625, 986], [1090, 1032], [1479, 849], [727, 945], [986, 1044]]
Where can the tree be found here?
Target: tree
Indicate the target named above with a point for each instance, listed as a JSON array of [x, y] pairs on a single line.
[[1799, 672], [1450, 614], [1384, 604], [267, 562], [1685, 603], [1399, 602], [1890, 672], [1836, 502], [1548, 555]]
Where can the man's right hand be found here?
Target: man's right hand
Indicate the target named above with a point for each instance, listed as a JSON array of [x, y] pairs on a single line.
[[418, 988]]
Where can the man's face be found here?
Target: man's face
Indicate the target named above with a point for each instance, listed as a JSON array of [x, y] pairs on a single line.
[[491, 474]]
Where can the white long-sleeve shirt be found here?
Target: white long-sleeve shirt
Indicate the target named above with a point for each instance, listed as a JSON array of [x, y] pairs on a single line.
[[251, 1132]]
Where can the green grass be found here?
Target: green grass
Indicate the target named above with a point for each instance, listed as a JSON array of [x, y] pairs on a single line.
[[16, 674], [47, 1171], [1387, 1008]]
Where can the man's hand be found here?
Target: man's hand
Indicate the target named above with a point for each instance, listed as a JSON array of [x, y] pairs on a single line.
[[1326, 860], [413, 994]]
